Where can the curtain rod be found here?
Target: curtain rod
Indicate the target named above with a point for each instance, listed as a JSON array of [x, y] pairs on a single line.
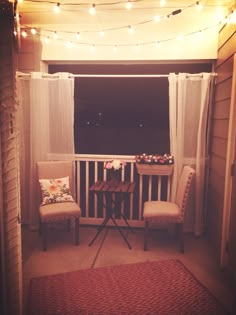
[[48, 75]]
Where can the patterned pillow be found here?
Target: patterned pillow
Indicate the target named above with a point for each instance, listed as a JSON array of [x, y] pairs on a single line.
[[55, 190]]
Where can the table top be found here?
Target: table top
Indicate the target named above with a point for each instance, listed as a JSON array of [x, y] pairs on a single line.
[[113, 186]]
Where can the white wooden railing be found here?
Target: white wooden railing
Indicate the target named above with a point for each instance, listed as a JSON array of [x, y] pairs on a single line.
[[90, 168]]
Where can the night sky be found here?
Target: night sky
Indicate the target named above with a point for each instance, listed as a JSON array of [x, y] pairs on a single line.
[[123, 115]]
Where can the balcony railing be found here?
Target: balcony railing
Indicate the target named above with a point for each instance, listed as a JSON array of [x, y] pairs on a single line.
[[90, 168]]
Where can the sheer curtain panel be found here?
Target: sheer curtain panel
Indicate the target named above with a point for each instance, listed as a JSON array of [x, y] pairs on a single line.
[[47, 126], [189, 103]]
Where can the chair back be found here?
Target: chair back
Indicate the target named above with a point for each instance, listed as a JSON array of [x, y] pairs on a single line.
[[57, 169], [184, 186]]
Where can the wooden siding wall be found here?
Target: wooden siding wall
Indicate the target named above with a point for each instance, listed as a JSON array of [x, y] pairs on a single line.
[[10, 241], [219, 133]]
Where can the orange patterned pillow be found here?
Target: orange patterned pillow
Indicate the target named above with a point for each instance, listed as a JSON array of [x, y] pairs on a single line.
[[55, 190]]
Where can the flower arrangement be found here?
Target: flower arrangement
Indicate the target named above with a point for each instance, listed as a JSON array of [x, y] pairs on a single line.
[[114, 165], [166, 159]]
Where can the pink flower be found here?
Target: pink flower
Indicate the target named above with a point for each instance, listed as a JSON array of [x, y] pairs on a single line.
[[115, 164]]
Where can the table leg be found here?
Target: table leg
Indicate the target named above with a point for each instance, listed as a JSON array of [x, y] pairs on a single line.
[[100, 228], [121, 233], [127, 223]]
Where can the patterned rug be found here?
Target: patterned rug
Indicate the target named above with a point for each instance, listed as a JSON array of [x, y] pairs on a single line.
[[155, 288]]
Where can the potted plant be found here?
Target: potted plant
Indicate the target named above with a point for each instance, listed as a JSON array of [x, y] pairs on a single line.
[[154, 164]]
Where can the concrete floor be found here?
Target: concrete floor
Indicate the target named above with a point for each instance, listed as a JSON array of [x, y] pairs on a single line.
[[110, 249]]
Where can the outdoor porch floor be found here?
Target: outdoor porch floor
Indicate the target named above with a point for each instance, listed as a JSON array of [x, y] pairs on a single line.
[[110, 249]]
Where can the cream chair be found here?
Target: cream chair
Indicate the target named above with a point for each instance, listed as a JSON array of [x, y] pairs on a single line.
[[165, 212], [56, 183]]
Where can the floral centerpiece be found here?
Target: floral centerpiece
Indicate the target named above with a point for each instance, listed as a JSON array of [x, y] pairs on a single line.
[[154, 164], [113, 168]]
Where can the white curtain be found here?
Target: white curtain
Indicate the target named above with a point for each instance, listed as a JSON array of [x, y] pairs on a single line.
[[189, 101], [47, 126]]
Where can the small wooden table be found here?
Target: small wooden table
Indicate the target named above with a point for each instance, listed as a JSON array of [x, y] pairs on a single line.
[[114, 192]]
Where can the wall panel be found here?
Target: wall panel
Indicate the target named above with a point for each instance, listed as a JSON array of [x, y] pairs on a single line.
[[224, 69], [223, 90], [219, 147], [220, 128], [219, 135], [222, 109]]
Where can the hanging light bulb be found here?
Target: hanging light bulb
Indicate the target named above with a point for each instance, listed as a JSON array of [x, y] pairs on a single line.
[[137, 48], [55, 35], [92, 48], [57, 8], [157, 18], [199, 5], [232, 17], [162, 3], [78, 35], [101, 33], [128, 5], [130, 29], [47, 40], [33, 31], [24, 34], [69, 44], [92, 9], [115, 48]]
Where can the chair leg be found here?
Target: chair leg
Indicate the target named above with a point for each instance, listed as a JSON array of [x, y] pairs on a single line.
[[68, 225], [181, 237], [40, 227], [76, 231], [44, 234], [145, 245]]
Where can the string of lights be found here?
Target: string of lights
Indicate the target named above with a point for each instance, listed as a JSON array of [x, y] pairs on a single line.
[[47, 39], [48, 35]]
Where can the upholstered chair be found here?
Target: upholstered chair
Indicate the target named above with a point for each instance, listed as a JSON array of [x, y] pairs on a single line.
[[56, 184], [165, 212]]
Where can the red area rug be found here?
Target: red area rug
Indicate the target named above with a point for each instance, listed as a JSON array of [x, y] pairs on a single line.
[[165, 287]]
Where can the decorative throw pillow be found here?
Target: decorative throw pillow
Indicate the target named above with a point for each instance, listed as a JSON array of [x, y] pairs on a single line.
[[55, 190]]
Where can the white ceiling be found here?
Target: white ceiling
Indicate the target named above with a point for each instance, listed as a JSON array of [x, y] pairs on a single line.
[[112, 17]]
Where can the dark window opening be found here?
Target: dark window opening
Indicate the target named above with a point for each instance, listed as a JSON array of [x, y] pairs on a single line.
[[125, 115]]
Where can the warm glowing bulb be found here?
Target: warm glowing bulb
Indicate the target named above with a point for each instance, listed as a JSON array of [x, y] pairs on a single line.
[[158, 44], [24, 34], [115, 48], [33, 31], [92, 48], [102, 34], [55, 35], [57, 8], [128, 5], [157, 18], [199, 6], [162, 3], [78, 35], [69, 44], [232, 18], [92, 9], [47, 40], [130, 29]]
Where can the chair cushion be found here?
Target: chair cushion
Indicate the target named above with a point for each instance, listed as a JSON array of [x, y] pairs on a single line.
[[59, 211], [162, 211], [55, 190]]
